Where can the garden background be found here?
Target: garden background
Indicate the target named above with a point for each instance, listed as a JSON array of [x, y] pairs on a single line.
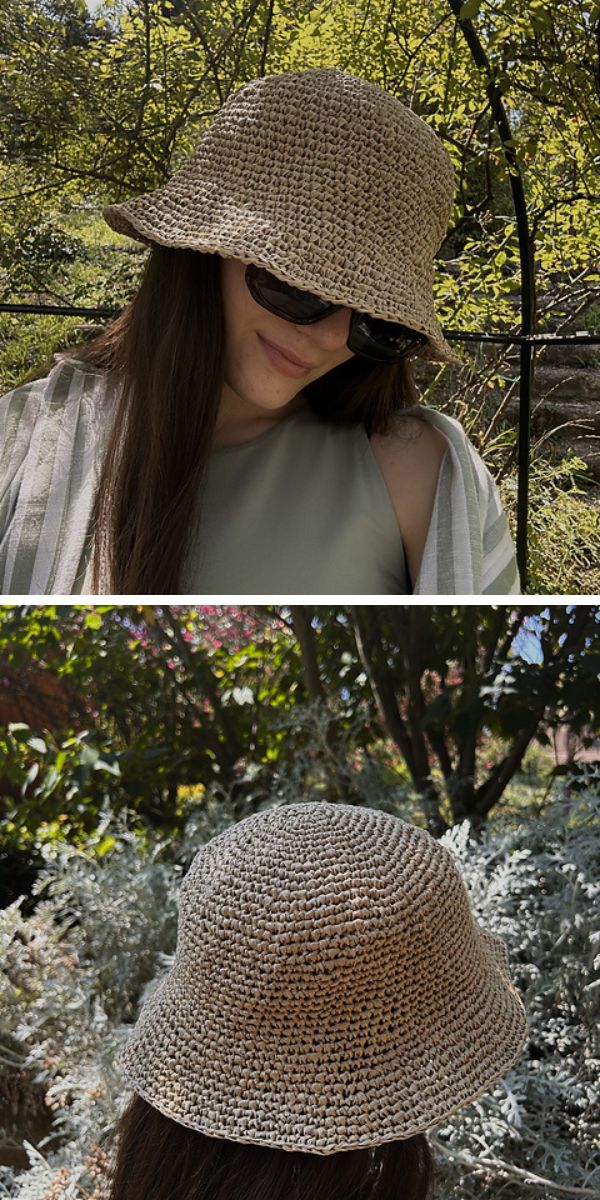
[[129, 735], [101, 101]]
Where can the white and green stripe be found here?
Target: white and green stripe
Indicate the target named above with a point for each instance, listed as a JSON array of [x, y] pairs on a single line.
[[47, 480], [469, 549], [52, 437]]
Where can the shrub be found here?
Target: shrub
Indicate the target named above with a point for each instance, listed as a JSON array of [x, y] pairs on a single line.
[[104, 933], [563, 529]]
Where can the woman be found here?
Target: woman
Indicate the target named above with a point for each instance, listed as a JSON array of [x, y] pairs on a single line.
[[239, 428], [331, 998]]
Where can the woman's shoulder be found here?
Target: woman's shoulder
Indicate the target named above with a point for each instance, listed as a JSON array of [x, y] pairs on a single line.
[[50, 428], [66, 383], [419, 440], [447, 504], [63, 398], [412, 438], [410, 456], [51, 437], [420, 424], [64, 366]]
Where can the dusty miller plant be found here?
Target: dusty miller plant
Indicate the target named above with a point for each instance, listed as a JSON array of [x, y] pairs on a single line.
[[328, 766], [537, 886], [75, 973]]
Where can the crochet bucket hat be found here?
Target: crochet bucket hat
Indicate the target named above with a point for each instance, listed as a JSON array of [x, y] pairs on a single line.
[[326, 180], [330, 988]]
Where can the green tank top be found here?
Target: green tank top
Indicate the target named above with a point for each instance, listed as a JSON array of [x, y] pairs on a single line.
[[300, 509]]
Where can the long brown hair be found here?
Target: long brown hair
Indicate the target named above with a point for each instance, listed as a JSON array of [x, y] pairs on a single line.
[[164, 353], [158, 1159]]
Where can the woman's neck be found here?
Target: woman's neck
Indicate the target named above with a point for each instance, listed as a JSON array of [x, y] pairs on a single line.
[[239, 420]]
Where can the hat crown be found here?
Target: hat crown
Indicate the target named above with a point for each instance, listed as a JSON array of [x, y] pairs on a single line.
[[298, 124], [329, 887], [325, 179], [330, 987]]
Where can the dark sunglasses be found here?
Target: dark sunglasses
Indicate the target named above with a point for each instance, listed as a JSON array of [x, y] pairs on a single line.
[[383, 341]]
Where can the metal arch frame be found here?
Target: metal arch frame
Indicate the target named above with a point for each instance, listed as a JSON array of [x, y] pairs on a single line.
[[528, 293]]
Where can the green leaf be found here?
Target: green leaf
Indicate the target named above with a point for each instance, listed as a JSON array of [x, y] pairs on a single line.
[[88, 755], [49, 783], [103, 847], [469, 10], [110, 765]]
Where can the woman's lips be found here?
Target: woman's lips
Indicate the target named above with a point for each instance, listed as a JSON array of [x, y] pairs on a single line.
[[280, 361]]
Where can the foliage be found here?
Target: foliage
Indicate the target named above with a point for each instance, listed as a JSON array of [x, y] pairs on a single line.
[[98, 107], [103, 935], [564, 532], [50, 968], [536, 886], [178, 696]]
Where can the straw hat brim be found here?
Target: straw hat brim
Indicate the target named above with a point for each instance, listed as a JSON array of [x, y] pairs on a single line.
[[194, 1066], [140, 218]]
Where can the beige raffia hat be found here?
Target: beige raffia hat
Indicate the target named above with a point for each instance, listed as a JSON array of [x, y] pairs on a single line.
[[330, 988], [326, 180]]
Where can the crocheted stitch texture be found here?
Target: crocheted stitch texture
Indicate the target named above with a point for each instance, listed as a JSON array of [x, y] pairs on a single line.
[[330, 987]]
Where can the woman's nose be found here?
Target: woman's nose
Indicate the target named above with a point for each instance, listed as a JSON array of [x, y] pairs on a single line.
[[331, 332]]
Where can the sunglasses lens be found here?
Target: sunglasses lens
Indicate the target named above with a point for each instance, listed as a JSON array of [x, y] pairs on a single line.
[[383, 341], [371, 337], [284, 299]]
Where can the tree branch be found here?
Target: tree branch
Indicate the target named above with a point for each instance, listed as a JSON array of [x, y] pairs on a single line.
[[370, 652], [301, 618]]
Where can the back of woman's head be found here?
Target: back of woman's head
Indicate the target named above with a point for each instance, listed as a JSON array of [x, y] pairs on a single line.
[[159, 1159]]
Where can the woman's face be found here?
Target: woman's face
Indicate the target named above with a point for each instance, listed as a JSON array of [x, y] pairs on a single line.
[[254, 372]]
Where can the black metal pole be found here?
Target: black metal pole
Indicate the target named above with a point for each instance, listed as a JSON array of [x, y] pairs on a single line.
[[588, 337], [528, 300]]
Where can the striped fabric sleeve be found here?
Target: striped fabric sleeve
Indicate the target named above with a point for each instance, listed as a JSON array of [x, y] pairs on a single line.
[[47, 480], [19, 414], [469, 549]]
